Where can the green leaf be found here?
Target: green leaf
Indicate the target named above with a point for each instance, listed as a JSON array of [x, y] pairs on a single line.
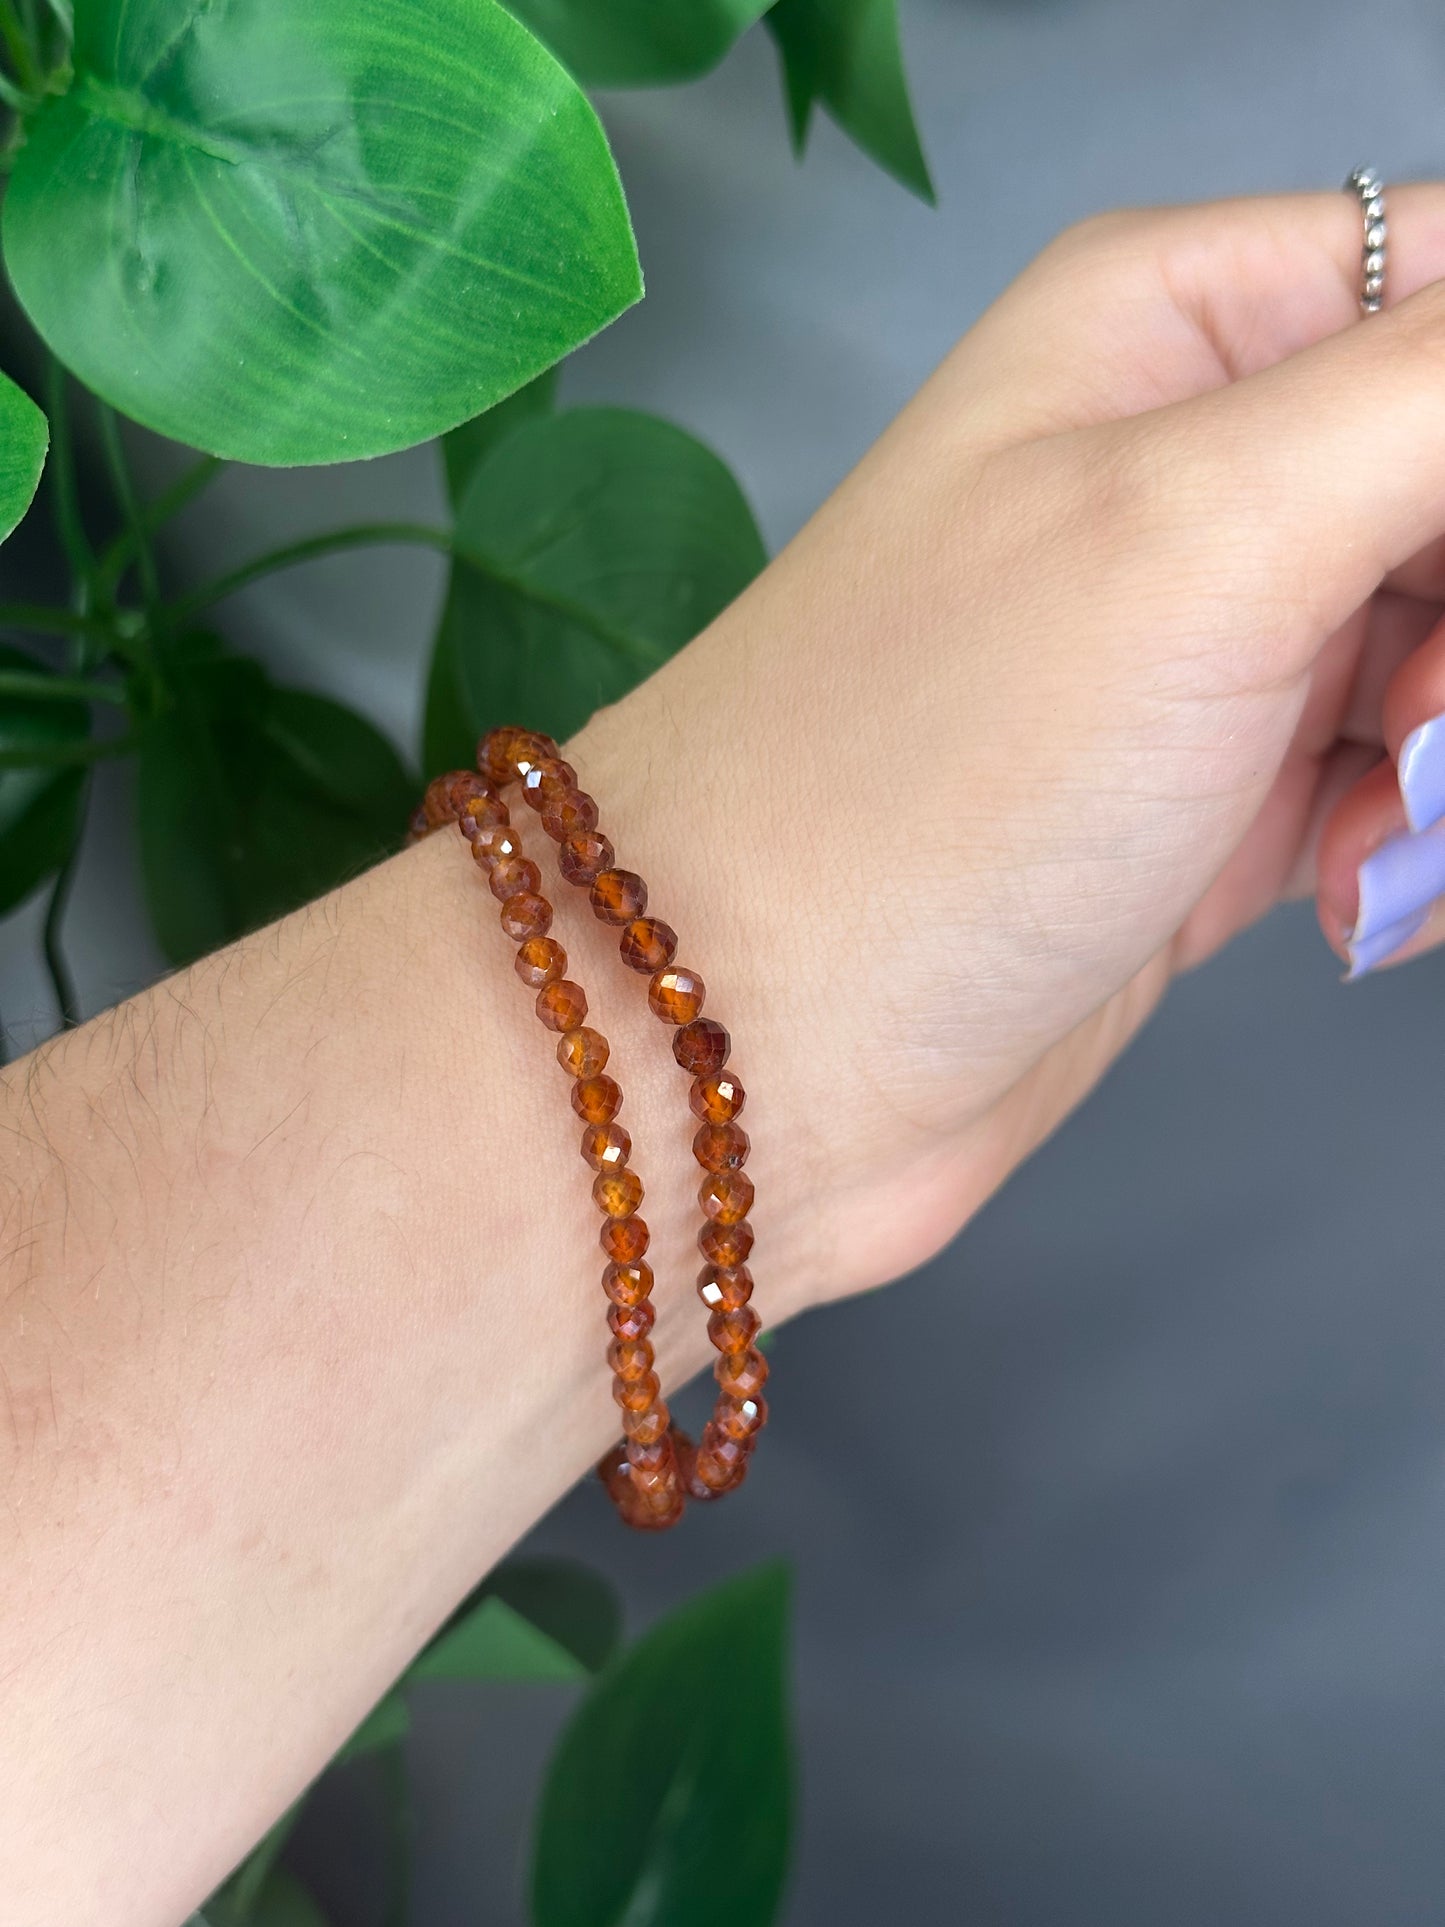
[[638, 43], [846, 54], [447, 742], [281, 1902], [536, 1619], [24, 440], [254, 799], [464, 448], [495, 1642], [245, 1886], [387, 1724], [39, 808], [290, 233], [611, 539], [668, 1802], [570, 1602]]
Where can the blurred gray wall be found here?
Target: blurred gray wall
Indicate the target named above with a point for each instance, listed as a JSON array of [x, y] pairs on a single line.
[[1121, 1574]]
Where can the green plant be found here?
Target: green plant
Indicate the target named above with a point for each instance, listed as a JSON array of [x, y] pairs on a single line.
[[296, 235]]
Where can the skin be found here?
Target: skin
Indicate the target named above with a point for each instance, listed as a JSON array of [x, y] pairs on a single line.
[[1104, 649]]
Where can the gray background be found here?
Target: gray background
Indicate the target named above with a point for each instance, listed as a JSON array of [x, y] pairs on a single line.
[[1120, 1531]]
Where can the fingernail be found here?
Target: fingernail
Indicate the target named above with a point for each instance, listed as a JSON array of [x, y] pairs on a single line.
[[1422, 774], [1404, 875], [1368, 953]]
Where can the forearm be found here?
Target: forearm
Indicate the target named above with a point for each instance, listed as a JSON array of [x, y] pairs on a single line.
[[301, 1330]]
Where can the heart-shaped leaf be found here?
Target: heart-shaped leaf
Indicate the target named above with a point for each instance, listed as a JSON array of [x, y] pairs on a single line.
[[254, 799], [846, 54], [465, 447], [40, 807], [24, 440], [669, 1800], [305, 233], [638, 43], [609, 538]]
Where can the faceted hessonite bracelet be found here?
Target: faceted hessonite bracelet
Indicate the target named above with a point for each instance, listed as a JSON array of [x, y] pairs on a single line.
[[655, 1467]]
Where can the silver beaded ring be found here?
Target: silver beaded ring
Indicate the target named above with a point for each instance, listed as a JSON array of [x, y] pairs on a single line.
[[1367, 187]]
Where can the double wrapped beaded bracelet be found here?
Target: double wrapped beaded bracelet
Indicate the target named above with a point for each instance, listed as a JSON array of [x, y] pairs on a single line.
[[654, 1468]]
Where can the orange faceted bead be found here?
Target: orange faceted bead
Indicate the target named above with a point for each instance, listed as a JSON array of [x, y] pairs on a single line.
[[486, 811], [734, 1330], [509, 874], [550, 776], [650, 1455], [724, 1287], [618, 895], [583, 1051], [526, 915], [631, 1321], [436, 802], [741, 1374], [702, 1046], [569, 812], [646, 944], [676, 994], [627, 1285], [583, 856], [725, 1244], [649, 1424], [606, 1147], [597, 1099], [716, 1098], [465, 787], [726, 1196], [740, 1418], [717, 1470], [618, 1193], [625, 1240], [509, 752], [630, 1357], [563, 1005], [495, 843], [721, 1147], [541, 961], [636, 1394]]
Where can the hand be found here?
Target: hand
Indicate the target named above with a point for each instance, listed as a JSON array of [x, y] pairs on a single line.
[[1096, 657]]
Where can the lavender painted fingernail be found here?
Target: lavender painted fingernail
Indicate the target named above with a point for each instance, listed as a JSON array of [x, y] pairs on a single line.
[[1422, 774], [1368, 953], [1404, 876]]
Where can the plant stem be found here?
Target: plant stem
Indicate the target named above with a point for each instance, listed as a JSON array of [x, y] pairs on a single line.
[[332, 542], [17, 45], [130, 507], [36, 686], [67, 498], [48, 621], [118, 556], [374, 534], [69, 755], [60, 977]]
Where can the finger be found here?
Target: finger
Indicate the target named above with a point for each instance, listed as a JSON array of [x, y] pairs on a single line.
[[1136, 309], [1413, 717], [1354, 669], [1380, 885]]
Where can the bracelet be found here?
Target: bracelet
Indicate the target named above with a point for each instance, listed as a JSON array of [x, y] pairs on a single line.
[[654, 1468]]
